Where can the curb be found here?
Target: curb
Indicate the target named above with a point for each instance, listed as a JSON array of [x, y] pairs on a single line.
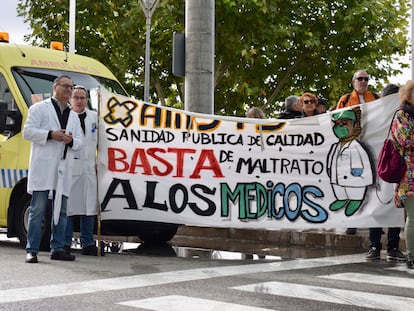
[[271, 242]]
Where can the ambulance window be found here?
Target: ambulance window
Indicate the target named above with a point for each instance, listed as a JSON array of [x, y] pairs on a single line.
[[5, 94], [35, 84], [10, 116]]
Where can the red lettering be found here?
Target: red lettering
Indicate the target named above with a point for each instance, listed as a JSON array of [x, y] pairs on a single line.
[[140, 154], [118, 162], [207, 156], [168, 167], [113, 160], [180, 159]]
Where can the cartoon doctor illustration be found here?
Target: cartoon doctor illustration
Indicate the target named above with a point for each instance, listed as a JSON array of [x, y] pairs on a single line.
[[348, 163]]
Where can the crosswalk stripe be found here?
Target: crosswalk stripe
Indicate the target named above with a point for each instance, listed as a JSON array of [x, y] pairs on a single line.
[[143, 280], [183, 303], [372, 279], [331, 295], [398, 268]]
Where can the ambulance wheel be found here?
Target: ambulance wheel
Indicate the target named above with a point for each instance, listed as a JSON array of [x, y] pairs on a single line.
[[22, 223]]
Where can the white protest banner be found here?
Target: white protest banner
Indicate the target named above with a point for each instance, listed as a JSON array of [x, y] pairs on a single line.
[[167, 165]]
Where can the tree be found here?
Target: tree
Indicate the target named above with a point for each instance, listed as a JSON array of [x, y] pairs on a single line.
[[265, 49]]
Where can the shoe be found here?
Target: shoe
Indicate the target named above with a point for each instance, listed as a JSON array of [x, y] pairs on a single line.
[[395, 255], [66, 248], [410, 267], [31, 258], [373, 254], [351, 231], [92, 250], [61, 255]]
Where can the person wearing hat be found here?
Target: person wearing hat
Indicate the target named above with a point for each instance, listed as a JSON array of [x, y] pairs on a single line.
[[348, 163], [321, 106], [293, 108]]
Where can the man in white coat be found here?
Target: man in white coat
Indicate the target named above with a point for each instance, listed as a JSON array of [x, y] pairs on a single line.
[[83, 200], [54, 130]]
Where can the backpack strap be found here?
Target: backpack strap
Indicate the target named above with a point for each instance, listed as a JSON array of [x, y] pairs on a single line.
[[392, 120], [348, 95]]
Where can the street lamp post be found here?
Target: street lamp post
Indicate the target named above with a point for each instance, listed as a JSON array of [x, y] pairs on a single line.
[[148, 6], [72, 30]]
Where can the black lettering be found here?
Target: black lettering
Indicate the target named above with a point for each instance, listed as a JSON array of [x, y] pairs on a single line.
[[173, 195], [150, 197], [127, 190], [210, 204]]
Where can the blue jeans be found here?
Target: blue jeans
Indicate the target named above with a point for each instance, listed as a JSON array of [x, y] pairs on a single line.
[[38, 206], [393, 238], [86, 230]]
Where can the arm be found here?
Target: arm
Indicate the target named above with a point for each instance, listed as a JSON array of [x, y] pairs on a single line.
[[75, 131], [400, 129], [35, 129]]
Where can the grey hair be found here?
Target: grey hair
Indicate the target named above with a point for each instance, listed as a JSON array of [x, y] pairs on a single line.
[[57, 80], [359, 71], [290, 101], [255, 112]]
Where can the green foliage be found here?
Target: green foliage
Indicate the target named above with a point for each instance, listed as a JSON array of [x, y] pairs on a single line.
[[265, 49]]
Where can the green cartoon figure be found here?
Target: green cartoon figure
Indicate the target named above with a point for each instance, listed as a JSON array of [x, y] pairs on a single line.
[[348, 164]]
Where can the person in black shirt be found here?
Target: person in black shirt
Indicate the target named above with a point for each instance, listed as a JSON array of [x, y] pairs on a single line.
[[293, 108]]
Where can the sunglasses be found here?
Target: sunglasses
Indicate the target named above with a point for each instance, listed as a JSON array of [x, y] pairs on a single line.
[[308, 102], [362, 79]]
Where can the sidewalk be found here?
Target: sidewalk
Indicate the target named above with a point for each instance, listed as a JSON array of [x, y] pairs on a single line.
[[285, 243]]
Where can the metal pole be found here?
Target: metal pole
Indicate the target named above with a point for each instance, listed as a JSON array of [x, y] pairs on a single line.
[[72, 22], [148, 6], [147, 59]]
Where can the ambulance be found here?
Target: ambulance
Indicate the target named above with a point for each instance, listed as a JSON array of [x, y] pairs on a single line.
[[26, 77]]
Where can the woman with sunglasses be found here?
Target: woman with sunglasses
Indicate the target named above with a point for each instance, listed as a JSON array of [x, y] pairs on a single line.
[[308, 101], [360, 94]]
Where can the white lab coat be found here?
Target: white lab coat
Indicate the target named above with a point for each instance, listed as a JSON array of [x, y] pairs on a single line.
[[45, 154], [343, 158], [84, 191]]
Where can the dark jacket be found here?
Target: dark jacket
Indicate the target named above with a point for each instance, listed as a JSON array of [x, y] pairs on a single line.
[[290, 114]]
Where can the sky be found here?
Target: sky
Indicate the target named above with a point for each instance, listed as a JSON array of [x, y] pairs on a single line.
[[12, 24], [16, 28]]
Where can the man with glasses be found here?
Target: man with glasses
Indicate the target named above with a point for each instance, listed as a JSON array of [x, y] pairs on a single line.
[[54, 131], [83, 201], [359, 95]]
